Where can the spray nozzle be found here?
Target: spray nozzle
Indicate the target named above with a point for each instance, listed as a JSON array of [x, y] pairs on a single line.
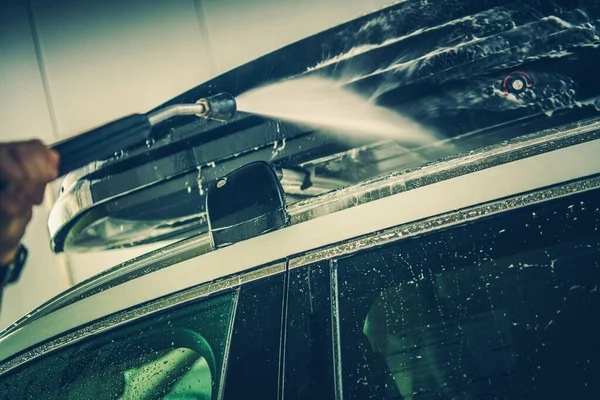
[[221, 107]]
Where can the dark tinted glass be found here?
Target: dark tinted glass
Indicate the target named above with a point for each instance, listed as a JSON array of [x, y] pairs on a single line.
[[308, 352], [254, 357], [503, 308], [178, 355]]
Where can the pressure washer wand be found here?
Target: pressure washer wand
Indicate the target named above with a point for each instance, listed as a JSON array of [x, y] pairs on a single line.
[[103, 142]]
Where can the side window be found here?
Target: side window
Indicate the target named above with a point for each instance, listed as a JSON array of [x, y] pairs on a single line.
[[255, 347], [308, 372], [177, 355], [502, 308]]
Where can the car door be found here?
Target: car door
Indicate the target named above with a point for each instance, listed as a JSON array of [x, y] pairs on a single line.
[[497, 301]]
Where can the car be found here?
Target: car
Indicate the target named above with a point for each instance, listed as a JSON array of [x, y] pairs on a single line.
[[300, 266]]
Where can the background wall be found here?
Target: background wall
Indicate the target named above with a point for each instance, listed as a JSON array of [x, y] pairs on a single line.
[[70, 65]]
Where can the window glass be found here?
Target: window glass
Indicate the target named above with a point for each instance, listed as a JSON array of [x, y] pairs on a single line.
[[503, 308], [177, 355], [253, 359], [308, 367]]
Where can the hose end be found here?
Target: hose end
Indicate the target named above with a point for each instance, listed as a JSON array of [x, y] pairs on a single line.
[[220, 107]]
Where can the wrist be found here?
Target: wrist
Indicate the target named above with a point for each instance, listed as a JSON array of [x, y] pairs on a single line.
[[11, 270]]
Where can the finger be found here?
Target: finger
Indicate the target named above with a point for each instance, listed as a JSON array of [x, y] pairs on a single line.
[[36, 156], [10, 170], [47, 162], [12, 205], [19, 194], [26, 217], [29, 193], [34, 159], [37, 194], [22, 155], [54, 160]]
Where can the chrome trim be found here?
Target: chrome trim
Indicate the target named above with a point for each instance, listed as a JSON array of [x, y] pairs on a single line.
[[128, 316], [73, 178], [67, 207], [283, 337], [443, 221], [335, 329]]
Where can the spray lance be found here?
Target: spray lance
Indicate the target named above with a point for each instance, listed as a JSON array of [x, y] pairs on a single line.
[[103, 142]]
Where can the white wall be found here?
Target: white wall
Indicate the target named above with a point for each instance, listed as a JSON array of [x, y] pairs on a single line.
[[108, 58], [24, 114], [23, 109], [102, 59]]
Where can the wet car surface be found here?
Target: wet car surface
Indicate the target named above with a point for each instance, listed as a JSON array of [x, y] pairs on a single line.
[[465, 269]]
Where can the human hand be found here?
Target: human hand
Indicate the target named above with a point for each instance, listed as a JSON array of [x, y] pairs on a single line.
[[25, 169]]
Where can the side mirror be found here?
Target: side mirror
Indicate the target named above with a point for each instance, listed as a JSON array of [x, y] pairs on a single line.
[[246, 203]]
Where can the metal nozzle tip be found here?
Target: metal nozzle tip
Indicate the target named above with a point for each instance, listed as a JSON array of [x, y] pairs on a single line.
[[221, 107]]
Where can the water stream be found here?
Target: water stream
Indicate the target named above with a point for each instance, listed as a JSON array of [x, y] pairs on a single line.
[[323, 104]]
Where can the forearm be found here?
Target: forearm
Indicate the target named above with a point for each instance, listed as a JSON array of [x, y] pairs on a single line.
[[25, 170]]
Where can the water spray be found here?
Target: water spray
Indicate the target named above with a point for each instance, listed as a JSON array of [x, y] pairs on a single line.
[[311, 101]]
